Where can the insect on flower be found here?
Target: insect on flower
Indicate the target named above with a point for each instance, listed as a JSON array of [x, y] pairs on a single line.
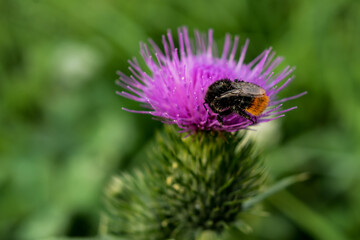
[[225, 97], [180, 79]]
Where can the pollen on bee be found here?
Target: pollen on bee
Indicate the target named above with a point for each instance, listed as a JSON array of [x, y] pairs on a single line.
[[258, 105]]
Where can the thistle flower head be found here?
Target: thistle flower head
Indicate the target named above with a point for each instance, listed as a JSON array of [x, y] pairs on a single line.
[[178, 77]]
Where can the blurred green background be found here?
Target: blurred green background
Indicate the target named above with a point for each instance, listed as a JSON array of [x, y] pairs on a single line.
[[63, 133]]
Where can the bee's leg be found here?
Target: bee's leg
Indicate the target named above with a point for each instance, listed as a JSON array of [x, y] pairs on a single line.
[[204, 104], [245, 115], [223, 113], [219, 119]]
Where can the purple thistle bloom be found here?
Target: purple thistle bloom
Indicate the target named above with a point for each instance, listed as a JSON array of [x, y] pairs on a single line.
[[175, 89]]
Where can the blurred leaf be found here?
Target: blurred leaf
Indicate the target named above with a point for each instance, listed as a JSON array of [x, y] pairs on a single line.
[[276, 187], [312, 222]]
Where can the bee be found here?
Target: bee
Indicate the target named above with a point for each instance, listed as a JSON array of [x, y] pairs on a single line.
[[243, 98]]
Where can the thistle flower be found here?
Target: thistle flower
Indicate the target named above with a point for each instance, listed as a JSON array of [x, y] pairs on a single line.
[[177, 82]]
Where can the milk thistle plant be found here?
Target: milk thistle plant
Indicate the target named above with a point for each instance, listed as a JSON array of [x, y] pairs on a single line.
[[203, 172]]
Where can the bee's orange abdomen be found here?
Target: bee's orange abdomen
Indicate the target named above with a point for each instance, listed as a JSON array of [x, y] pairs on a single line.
[[258, 105]]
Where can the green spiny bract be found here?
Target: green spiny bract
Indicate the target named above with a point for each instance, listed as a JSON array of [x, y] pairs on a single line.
[[130, 210], [191, 185]]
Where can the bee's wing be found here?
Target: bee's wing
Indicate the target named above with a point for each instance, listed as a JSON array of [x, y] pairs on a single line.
[[238, 92]]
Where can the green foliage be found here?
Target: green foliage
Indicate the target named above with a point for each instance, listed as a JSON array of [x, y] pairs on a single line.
[[62, 131]]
